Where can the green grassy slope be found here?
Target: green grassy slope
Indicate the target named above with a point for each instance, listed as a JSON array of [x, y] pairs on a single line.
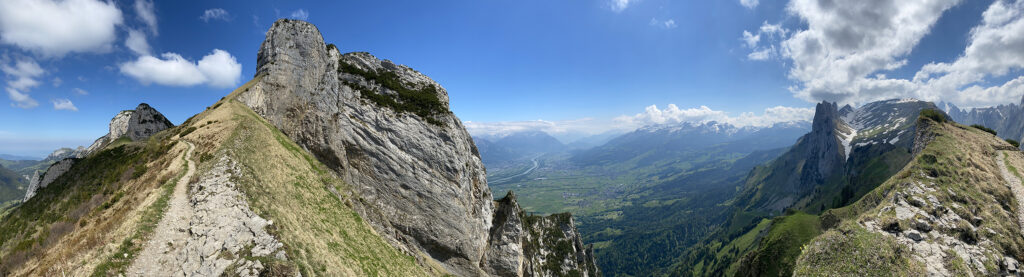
[[95, 218], [12, 187], [310, 207], [66, 224], [955, 187]]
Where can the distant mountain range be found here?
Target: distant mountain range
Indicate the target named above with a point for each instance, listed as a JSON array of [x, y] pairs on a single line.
[[18, 157], [1007, 120]]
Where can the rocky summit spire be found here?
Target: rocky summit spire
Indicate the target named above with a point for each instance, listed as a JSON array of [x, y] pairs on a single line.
[[137, 124]]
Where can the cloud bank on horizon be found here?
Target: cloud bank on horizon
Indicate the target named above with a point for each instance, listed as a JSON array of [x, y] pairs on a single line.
[[652, 115]]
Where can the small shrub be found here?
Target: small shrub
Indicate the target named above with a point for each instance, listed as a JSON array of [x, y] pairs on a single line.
[[934, 115], [187, 131], [983, 128], [928, 159], [422, 102], [1013, 142]]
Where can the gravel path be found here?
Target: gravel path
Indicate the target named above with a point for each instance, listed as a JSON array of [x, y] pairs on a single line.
[[172, 231], [1015, 185]]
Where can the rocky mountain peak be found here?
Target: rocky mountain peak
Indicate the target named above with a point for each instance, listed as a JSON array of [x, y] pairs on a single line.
[[137, 124], [386, 130]]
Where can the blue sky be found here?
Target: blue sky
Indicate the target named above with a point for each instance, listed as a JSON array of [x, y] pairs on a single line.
[[571, 68]]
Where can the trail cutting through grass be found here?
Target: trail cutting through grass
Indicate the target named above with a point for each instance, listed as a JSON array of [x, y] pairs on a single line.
[[172, 231], [1015, 185]]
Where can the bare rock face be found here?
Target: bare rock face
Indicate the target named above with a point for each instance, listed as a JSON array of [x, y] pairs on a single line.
[[386, 129], [531, 245], [137, 124], [41, 180]]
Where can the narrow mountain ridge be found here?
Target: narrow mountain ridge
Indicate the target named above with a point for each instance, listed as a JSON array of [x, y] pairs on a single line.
[[387, 130], [387, 187], [953, 210]]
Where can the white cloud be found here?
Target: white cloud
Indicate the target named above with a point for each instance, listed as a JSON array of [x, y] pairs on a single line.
[[847, 41], [762, 54], [772, 34], [215, 14], [55, 28], [587, 126], [670, 24], [21, 100], [218, 69], [21, 78], [751, 39], [847, 47], [300, 14], [673, 114], [994, 50], [750, 4], [667, 24], [147, 13], [80, 91], [64, 104], [652, 115], [620, 5], [57, 81], [136, 42]]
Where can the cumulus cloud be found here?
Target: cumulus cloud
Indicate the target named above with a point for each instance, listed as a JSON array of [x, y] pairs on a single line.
[[772, 34], [218, 69], [750, 4], [620, 5], [136, 42], [57, 81], [21, 77], [300, 14], [55, 28], [673, 114], [847, 47], [215, 14], [21, 100], [80, 91], [147, 13], [64, 104], [994, 50]]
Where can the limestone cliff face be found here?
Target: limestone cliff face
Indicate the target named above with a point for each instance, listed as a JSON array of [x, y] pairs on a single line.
[[825, 140], [531, 245], [44, 179], [136, 124], [387, 131]]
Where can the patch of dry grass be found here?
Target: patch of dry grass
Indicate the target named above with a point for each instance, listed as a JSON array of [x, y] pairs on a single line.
[[77, 222]]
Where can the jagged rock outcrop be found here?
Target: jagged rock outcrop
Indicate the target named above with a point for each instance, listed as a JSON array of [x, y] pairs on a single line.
[[41, 180], [65, 152], [846, 142], [531, 245], [828, 141], [136, 124], [1007, 120], [385, 129]]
